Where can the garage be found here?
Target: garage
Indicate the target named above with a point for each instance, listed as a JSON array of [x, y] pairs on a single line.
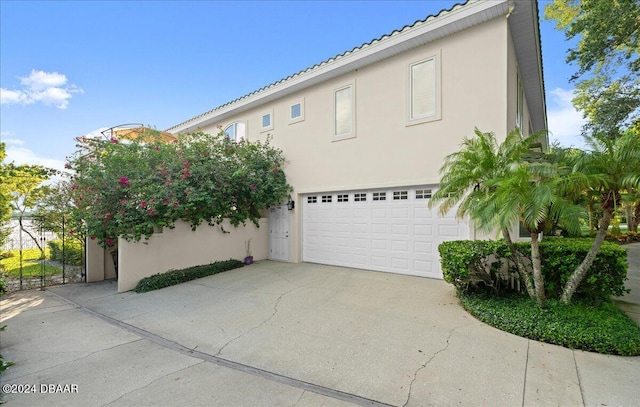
[[390, 229]]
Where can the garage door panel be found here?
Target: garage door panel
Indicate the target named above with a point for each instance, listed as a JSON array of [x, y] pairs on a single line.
[[399, 236]]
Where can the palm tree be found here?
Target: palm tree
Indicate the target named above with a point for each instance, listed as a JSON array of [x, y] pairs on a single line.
[[612, 166], [529, 192], [465, 178]]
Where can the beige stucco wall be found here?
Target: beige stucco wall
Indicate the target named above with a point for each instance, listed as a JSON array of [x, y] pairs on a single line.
[[387, 151], [99, 263], [181, 247]]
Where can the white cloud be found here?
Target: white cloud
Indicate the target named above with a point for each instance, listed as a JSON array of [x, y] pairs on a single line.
[[49, 88], [565, 122], [21, 155], [13, 141]]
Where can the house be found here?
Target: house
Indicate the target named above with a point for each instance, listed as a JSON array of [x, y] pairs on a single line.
[[366, 132]]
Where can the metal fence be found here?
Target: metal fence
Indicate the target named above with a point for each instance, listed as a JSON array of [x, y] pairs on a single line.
[[25, 260]]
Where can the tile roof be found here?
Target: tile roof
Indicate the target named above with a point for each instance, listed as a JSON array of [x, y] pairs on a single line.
[[322, 64]]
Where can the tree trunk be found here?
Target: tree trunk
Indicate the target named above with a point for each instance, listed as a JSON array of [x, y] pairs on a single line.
[[578, 274], [517, 259], [590, 212], [536, 261], [22, 228], [636, 218]]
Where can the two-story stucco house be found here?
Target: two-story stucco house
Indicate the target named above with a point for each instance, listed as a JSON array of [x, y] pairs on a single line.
[[366, 132]]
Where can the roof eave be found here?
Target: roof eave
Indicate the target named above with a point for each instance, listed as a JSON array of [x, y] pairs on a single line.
[[457, 19]]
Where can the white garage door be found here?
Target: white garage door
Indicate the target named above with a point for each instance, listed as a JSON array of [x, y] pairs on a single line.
[[390, 230]]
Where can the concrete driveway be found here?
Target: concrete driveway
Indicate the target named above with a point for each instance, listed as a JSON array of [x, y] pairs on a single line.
[[277, 334]]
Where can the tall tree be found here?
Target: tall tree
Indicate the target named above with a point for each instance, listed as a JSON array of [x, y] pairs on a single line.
[[607, 59], [611, 167], [5, 197]]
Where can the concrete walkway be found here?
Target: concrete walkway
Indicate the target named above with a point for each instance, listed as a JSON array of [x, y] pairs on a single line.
[[280, 334]]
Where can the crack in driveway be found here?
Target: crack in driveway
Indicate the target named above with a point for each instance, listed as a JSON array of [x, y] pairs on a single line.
[[424, 365], [275, 311]]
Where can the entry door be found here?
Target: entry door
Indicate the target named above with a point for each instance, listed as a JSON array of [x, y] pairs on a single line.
[[279, 233]]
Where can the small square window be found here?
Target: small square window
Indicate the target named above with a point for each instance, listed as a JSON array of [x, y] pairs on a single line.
[[326, 198], [398, 195], [343, 198], [423, 193], [312, 199], [266, 120], [296, 112], [360, 197], [379, 196]]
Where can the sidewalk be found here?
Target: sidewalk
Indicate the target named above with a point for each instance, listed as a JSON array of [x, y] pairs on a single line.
[[275, 334]]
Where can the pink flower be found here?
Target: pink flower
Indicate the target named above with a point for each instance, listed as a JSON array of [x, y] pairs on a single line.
[[108, 216], [156, 148], [175, 203], [71, 232], [113, 140], [74, 187], [123, 202], [143, 204], [254, 187], [151, 212], [67, 166], [92, 237], [110, 242], [124, 181]]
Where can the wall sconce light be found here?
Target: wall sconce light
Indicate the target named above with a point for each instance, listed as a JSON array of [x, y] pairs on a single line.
[[290, 204]]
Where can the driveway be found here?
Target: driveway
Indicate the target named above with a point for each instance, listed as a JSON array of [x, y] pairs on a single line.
[[290, 334]]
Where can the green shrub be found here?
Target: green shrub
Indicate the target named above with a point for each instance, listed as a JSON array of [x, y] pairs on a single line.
[[602, 328], [475, 265], [173, 277], [560, 257], [73, 252]]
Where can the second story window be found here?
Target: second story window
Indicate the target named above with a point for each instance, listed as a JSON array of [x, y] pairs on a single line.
[[343, 113], [236, 131]]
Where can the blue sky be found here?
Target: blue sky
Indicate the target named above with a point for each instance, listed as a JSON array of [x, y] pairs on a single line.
[[72, 68]]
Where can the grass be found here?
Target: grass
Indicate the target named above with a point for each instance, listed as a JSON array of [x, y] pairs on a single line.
[[603, 328], [31, 266]]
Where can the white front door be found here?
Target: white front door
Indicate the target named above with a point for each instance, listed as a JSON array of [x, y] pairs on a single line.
[[279, 233]]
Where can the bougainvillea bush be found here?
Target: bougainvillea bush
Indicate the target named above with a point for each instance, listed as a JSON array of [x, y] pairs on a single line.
[[126, 188]]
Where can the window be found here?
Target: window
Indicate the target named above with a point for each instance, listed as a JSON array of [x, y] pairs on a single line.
[[398, 195], [423, 193], [519, 103], [424, 92], [266, 121], [360, 197], [236, 131], [312, 199], [379, 196], [296, 112], [344, 112], [326, 198], [343, 198]]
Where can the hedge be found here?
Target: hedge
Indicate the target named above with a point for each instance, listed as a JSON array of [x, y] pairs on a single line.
[[173, 277], [73, 252], [483, 265]]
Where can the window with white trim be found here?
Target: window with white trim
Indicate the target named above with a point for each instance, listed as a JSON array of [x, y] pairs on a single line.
[[423, 193], [423, 90], [343, 197], [343, 113], [236, 131], [379, 196], [519, 103], [400, 195], [266, 121], [296, 112]]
